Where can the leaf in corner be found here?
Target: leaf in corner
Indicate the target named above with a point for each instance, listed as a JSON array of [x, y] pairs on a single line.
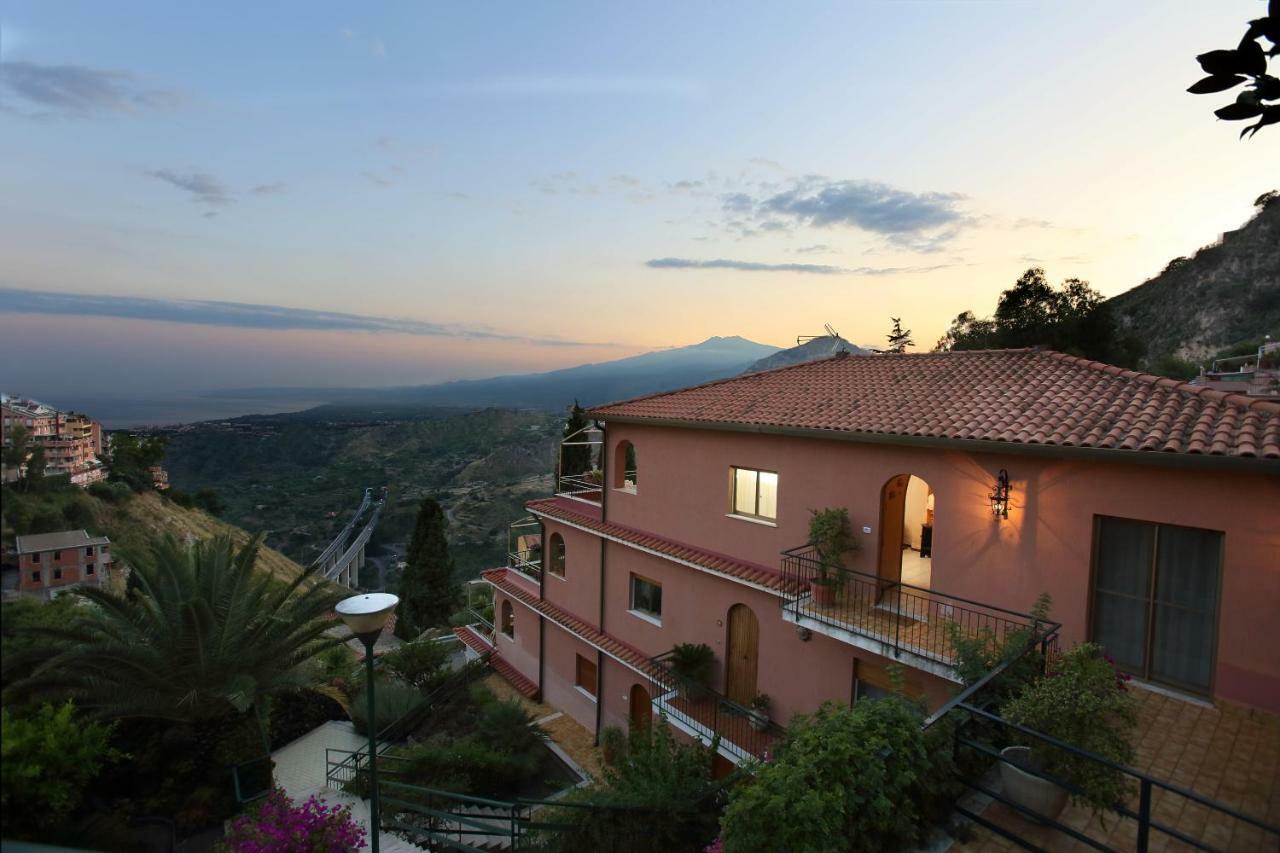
[[1217, 62], [1238, 112], [1216, 83], [1251, 57]]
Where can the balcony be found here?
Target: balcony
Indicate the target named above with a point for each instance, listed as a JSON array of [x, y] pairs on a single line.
[[891, 618], [703, 713], [524, 548], [578, 472]]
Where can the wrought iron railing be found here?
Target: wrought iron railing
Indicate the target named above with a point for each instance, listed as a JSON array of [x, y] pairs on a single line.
[[903, 617], [1245, 832], [527, 563], [696, 706]]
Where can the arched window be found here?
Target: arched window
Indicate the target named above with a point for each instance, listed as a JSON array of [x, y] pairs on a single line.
[[508, 621], [625, 475], [555, 555]]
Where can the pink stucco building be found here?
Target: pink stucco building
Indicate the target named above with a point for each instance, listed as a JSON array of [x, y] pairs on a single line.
[[1148, 509]]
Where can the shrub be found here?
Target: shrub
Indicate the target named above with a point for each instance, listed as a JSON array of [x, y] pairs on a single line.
[[502, 754], [979, 653], [1081, 700], [77, 513], [845, 779], [422, 664], [48, 760], [693, 662], [279, 826], [659, 796], [393, 701]]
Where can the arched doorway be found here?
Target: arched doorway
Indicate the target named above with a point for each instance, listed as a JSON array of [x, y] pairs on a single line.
[[641, 708], [906, 532], [741, 654]]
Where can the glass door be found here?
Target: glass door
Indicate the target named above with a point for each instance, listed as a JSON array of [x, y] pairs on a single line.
[[1155, 600]]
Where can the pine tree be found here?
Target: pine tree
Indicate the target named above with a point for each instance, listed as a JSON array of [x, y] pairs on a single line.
[[428, 596], [575, 458], [899, 340]]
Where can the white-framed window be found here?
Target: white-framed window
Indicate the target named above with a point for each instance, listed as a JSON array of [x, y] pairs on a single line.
[[754, 493], [507, 620], [646, 597]]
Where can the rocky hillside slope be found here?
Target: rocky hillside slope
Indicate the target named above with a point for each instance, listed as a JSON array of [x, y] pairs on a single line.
[[1226, 293], [819, 347]]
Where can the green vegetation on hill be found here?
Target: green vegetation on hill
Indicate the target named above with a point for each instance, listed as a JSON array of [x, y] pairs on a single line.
[[286, 474], [1227, 293]]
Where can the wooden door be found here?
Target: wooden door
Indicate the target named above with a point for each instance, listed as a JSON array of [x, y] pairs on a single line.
[[641, 709], [741, 654], [893, 501]]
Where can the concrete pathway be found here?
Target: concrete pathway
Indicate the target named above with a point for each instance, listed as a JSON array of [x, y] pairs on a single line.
[[300, 769]]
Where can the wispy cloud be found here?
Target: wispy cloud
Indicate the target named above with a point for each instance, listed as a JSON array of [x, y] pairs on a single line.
[[269, 189], [77, 91], [247, 316], [753, 266], [201, 187], [917, 222]]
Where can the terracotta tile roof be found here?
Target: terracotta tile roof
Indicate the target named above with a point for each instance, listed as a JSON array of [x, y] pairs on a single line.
[[473, 640], [1019, 396], [615, 648], [587, 517], [480, 644], [523, 685]]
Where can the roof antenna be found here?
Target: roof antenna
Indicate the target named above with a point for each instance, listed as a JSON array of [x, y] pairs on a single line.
[[830, 333]]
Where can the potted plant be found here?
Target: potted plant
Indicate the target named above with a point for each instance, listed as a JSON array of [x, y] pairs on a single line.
[[831, 535], [692, 663], [1081, 700], [759, 713]]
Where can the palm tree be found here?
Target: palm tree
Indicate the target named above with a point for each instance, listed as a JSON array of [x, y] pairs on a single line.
[[203, 635]]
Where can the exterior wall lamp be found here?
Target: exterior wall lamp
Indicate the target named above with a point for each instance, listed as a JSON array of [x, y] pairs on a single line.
[[1000, 496]]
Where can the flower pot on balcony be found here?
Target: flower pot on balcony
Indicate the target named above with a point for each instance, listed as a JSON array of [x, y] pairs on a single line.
[[824, 591], [1027, 790], [758, 720]]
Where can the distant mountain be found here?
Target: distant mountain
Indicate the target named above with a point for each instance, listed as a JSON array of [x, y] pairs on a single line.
[[714, 358], [810, 350], [1226, 293]]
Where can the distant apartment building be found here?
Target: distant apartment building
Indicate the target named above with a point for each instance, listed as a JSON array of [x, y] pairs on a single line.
[[1253, 375], [51, 563], [159, 478], [72, 442]]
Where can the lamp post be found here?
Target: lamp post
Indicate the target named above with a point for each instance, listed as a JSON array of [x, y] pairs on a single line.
[[366, 615]]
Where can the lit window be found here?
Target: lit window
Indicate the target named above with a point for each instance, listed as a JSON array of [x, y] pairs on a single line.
[[646, 596], [586, 677], [755, 493]]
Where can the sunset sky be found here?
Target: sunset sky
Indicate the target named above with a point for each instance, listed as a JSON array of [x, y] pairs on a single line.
[[235, 194]]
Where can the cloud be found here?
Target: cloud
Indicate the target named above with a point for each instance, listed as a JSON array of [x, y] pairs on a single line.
[[815, 249], [1029, 222], [78, 91], [269, 189], [377, 180], [245, 316], [753, 266], [766, 163], [569, 183], [203, 188], [917, 222]]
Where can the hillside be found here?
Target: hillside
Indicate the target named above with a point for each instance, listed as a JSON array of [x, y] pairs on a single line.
[[286, 473], [1226, 293], [131, 522]]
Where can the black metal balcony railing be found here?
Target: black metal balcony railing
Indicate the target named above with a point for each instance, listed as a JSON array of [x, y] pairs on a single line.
[[586, 486], [904, 617], [702, 709]]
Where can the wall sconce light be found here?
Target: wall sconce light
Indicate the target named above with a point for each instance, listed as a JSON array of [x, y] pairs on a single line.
[[1000, 496]]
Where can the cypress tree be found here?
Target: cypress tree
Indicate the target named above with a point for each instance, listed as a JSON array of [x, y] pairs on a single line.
[[427, 594]]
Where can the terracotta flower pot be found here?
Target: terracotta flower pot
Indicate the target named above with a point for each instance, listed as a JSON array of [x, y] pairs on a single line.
[[1027, 790], [823, 593]]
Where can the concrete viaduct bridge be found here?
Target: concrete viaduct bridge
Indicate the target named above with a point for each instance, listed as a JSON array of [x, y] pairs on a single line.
[[342, 561]]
